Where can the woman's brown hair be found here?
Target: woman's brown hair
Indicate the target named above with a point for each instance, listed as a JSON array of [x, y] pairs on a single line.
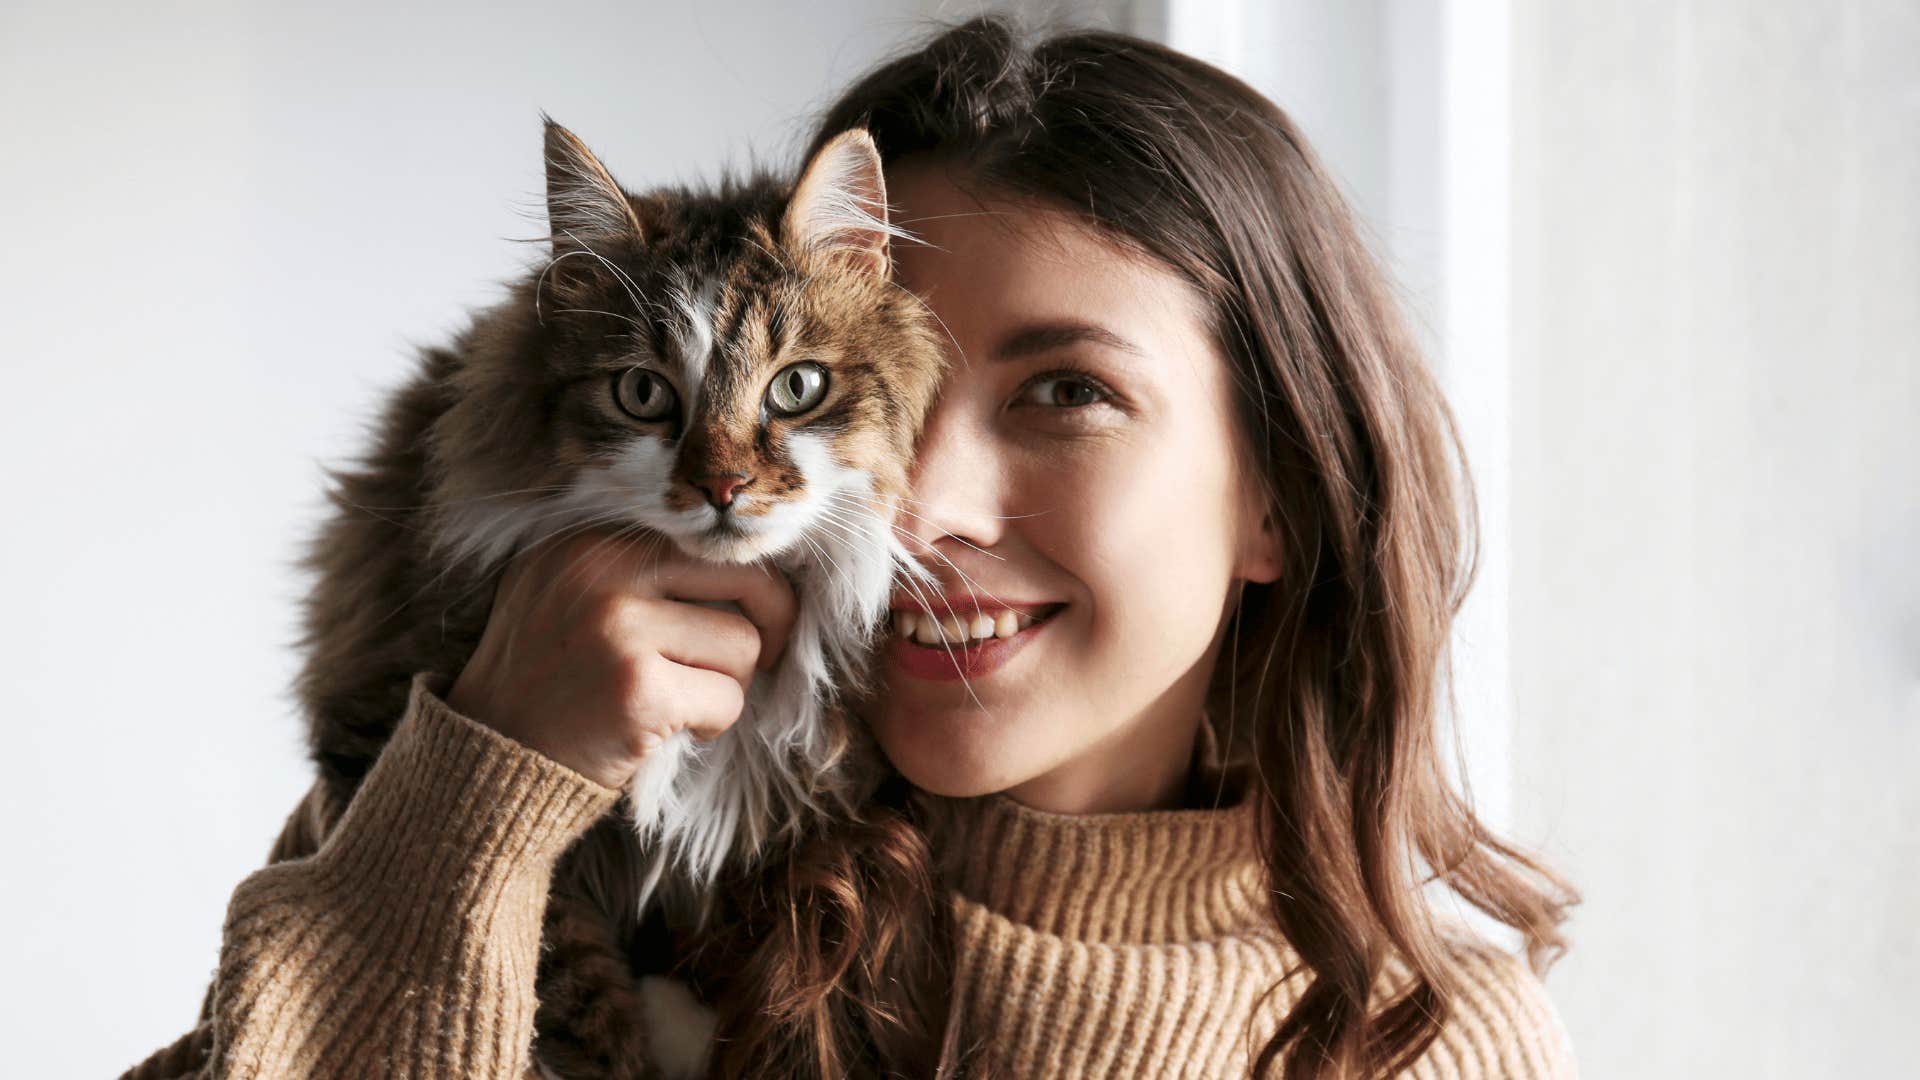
[[837, 957]]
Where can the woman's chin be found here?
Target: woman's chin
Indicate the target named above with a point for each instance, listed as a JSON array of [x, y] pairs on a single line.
[[953, 787], [959, 765]]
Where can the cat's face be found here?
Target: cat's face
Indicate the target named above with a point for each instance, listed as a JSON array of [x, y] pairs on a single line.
[[761, 404], [734, 371]]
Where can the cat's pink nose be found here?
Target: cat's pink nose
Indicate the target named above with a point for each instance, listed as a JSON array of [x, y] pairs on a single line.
[[720, 489]]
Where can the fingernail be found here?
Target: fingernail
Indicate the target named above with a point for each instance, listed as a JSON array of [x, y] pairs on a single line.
[[649, 742]]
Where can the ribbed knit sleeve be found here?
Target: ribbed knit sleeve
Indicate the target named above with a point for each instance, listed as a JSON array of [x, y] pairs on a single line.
[[407, 945]]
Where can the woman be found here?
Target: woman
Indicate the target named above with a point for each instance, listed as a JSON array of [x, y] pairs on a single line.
[[1177, 825]]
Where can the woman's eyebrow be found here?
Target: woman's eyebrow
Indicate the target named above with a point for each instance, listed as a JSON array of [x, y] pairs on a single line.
[[1048, 336]]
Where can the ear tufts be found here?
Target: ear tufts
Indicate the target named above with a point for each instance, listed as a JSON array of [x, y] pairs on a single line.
[[839, 208], [584, 204]]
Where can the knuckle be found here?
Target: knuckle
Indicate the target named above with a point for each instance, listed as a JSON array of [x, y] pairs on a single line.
[[741, 636], [718, 714], [609, 609], [641, 739], [633, 679], [733, 700], [620, 619]]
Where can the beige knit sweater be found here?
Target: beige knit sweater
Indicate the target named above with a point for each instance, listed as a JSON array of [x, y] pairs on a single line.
[[1111, 945]]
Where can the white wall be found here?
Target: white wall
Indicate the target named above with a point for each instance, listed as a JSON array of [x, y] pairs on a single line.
[[223, 226], [1716, 416]]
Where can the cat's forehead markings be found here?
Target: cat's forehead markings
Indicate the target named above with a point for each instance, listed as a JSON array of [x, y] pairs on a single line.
[[696, 301], [756, 289]]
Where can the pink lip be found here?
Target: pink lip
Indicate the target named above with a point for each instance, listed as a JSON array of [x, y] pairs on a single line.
[[974, 660]]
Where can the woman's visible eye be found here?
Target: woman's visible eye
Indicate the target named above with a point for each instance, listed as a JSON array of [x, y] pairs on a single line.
[[1063, 390], [797, 388], [646, 395]]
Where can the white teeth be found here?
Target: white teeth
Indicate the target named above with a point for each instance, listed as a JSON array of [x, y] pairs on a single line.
[[955, 628]]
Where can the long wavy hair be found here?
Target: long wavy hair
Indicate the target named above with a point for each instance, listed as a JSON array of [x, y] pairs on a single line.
[[835, 959]]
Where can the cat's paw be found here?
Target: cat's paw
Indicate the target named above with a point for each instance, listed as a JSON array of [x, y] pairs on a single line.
[[679, 1028]]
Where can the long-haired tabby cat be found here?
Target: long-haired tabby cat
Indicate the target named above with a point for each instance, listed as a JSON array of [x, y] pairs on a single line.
[[729, 370]]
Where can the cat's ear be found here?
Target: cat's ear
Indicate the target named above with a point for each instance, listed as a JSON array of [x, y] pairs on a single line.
[[584, 205], [839, 208]]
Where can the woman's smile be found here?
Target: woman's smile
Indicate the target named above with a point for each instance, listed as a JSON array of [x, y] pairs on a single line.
[[948, 641]]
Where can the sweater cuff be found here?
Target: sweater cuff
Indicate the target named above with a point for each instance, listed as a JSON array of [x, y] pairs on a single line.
[[453, 809]]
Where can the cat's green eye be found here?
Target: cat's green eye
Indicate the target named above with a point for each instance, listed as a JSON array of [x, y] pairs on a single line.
[[646, 395], [797, 388]]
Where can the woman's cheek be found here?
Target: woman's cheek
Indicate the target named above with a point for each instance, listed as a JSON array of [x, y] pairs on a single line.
[[1166, 551]]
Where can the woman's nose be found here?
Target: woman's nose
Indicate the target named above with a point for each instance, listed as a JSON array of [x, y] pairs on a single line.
[[955, 483]]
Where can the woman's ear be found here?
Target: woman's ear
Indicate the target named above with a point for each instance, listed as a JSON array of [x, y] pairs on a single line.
[[1260, 552]]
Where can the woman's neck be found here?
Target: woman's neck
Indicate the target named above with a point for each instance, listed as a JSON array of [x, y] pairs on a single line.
[[1145, 765]]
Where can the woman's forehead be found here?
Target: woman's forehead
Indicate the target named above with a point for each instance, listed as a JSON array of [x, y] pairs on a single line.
[[1001, 266], [949, 209]]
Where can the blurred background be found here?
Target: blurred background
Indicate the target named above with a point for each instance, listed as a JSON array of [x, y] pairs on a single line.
[[1664, 253]]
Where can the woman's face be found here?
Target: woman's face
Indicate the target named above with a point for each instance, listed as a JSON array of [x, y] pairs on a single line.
[[1077, 474]]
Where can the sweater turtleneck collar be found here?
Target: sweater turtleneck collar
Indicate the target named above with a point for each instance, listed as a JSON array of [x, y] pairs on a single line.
[[1153, 876]]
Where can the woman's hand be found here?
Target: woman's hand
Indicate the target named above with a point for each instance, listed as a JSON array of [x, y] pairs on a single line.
[[597, 650]]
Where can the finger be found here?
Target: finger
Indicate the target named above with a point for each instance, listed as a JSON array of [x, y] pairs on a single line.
[[702, 637], [703, 703], [762, 592], [765, 597]]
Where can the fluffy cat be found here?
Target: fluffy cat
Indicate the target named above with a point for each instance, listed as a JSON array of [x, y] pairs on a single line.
[[729, 370]]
